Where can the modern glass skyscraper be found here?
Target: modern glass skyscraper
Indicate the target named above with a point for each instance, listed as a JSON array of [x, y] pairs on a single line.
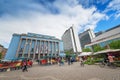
[[71, 40], [34, 46], [86, 37]]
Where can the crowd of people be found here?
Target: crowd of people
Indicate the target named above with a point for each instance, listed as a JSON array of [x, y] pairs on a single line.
[[24, 64], [58, 60], [15, 65]]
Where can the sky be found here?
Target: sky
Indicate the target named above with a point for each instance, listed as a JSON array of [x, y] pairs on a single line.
[[53, 17]]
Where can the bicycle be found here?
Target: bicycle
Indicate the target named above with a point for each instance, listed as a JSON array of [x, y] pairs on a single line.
[[108, 64]]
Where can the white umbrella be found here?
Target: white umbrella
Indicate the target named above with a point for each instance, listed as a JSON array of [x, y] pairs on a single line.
[[85, 54]]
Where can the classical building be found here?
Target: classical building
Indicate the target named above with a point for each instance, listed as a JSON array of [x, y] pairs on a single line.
[[106, 37], [86, 37], [34, 46], [71, 40]]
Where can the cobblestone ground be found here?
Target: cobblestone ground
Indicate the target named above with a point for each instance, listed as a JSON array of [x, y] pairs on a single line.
[[65, 72]]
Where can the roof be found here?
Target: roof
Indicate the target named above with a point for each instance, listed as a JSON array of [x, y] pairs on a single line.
[[106, 51], [37, 36], [113, 28]]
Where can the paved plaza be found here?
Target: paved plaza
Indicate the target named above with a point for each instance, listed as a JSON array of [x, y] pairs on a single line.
[[65, 72]]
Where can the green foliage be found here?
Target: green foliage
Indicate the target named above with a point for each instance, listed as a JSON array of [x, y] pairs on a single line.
[[0, 55], [115, 44], [68, 52], [89, 61], [117, 64], [93, 60], [86, 50], [97, 48]]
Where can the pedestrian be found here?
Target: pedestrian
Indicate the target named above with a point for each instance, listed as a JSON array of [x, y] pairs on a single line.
[[62, 61], [69, 62], [110, 58], [81, 62], [24, 66]]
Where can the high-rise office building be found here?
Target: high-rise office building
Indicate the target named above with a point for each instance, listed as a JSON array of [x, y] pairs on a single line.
[[86, 37], [34, 46], [71, 40]]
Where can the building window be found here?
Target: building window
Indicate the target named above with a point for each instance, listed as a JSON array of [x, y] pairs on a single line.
[[32, 50], [21, 50]]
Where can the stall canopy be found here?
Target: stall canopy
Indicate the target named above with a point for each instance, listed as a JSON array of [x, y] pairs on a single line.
[[106, 51], [5, 60], [85, 54]]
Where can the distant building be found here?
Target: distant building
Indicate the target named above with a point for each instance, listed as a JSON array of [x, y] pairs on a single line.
[[98, 33], [86, 37], [3, 51], [105, 38], [34, 46], [71, 40]]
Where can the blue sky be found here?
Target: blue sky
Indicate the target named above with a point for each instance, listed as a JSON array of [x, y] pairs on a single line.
[[53, 17]]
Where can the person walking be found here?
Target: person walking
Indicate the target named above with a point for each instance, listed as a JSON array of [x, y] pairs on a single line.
[[69, 61], [24, 66], [81, 62], [111, 60]]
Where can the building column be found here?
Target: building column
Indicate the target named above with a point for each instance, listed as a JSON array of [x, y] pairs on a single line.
[[43, 48], [55, 50], [48, 49], [34, 49], [39, 50], [24, 48], [18, 48], [47, 44], [58, 48], [52, 48], [29, 49]]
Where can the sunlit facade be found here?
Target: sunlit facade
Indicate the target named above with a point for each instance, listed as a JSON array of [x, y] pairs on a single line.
[[34, 46], [71, 40]]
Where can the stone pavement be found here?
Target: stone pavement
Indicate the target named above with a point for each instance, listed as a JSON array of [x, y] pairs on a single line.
[[65, 72]]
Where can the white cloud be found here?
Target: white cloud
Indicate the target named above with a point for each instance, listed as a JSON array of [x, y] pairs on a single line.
[[94, 19], [50, 24], [114, 6]]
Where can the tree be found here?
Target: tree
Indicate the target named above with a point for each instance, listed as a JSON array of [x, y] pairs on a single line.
[[86, 50], [115, 44], [69, 52], [97, 48], [0, 55]]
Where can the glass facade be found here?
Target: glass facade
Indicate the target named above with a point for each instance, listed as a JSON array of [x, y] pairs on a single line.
[[104, 39]]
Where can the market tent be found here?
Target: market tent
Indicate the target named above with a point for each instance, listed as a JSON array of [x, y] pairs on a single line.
[[85, 54], [6, 60], [106, 51]]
